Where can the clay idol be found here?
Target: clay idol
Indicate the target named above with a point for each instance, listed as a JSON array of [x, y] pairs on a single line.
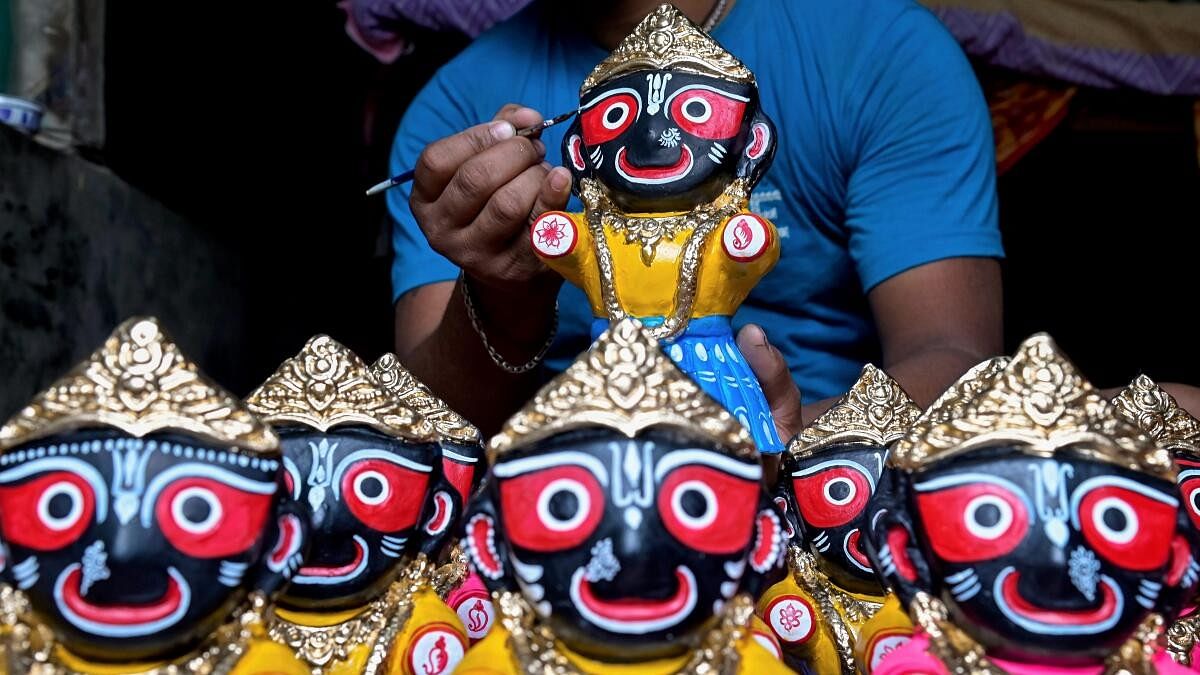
[[1156, 413], [462, 452], [667, 146], [142, 520], [830, 472], [368, 471], [622, 525], [1032, 530]]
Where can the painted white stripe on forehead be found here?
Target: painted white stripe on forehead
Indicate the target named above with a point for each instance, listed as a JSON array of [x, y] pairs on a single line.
[[458, 458], [677, 458], [77, 467], [516, 467]]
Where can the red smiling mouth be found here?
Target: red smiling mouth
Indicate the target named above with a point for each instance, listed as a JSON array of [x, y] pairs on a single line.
[[854, 550], [635, 615], [654, 175], [1011, 595], [174, 601], [351, 568]]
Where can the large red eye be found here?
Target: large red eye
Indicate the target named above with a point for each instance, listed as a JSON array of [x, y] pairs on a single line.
[[832, 494], [206, 518], [706, 113], [608, 118], [708, 510], [1125, 522], [1189, 488], [47, 513], [383, 495], [551, 510], [973, 521]]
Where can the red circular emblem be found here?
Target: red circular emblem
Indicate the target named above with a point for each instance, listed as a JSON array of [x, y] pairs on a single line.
[[553, 234], [745, 237], [436, 649], [791, 617]]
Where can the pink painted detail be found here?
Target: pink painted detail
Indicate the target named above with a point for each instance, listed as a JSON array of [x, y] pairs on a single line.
[[760, 142], [575, 150], [474, 607], [913, 659], [553, 234], [746, 237]]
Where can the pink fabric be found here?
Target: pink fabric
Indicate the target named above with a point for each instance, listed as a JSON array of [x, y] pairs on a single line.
[[473, 604], [378, 25], [913, 659], [471, 587]]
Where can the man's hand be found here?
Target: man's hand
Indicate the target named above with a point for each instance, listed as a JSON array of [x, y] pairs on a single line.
[[473, 195], [783, 396]]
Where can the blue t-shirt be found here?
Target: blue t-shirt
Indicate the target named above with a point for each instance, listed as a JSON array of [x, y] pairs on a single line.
[[885, 160]]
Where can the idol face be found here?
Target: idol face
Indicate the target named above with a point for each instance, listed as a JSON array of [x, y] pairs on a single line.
[[463, 465], [624, 547], [1041, 559], [830, 493], [372, 500], [668, 140], [137, 549]]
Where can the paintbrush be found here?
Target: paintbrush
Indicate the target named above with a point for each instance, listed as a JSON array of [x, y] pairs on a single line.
[[408, 175]]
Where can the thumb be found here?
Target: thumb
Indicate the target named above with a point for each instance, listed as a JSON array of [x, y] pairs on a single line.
[[772, 372], [556, 190]]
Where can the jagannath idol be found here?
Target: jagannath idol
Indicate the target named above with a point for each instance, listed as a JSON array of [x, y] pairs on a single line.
[[142, 519], [830, 472], [1156, 413], [462, 455], [1030, 529], [367, 470], [623, 526], [667, 146]]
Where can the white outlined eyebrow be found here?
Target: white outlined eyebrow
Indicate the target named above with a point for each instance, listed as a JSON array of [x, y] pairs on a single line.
[[826, 465], [190, 469], [70, 465], [623, 90], [1090, 484], [966, 478], [517, 467], [373, 453], [705, 87], [677, 458]]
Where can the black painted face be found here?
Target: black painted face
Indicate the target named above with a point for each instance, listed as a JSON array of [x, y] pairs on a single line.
[[830, 492], [1040, 559], [372, 499], [668, 140], [624, 547], [137, 549]]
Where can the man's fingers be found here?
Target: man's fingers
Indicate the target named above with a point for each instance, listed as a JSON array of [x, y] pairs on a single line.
[[518, 115], [505, 217], [554, 193], [480, 177], [440, 161], [772, 372]]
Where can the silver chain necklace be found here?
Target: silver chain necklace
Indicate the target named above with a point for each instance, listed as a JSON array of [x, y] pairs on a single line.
[[714, 16]]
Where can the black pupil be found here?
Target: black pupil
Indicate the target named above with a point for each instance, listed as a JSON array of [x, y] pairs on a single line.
[[614, 113], [60, 505], [196, 509], [371, 487], [839, 491], [987, 515], [1115, 520], [695, 108], [1196, 500], [693, 503], [564, 505]]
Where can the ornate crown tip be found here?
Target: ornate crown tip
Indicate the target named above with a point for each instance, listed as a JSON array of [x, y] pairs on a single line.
[[327, 385], [1039, 401], [668, 39], [1156, 413], [876, 410], [139, 381], [622, 382], [402, 384]]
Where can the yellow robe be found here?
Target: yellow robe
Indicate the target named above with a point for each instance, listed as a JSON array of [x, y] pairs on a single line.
[[431, 642], [807, 634]]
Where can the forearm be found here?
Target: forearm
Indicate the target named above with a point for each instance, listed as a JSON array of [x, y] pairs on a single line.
[[926, 373], [453, 362]]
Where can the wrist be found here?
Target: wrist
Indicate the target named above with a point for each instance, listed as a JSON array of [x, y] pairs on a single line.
[[517, 315]]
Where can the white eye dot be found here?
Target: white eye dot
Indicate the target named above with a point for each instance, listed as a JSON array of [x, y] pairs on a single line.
[[615, 115], [1115, 520], [840, 491], [205, 513], [988, 516], [696, 110], [371, 488], [73, 503], [695, 504], [563, 504]]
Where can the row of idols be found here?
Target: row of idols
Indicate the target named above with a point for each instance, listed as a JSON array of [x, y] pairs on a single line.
[[341, 519]]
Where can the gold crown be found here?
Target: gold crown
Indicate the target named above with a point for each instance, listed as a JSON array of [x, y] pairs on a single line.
[[875, 410], [668, 39], [401, 383], [622, 382], [327, 385], [139, 382], [1037, 401], [1150, 408]]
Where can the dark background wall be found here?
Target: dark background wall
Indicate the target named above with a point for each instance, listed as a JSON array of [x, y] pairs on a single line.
[[239, 141]]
